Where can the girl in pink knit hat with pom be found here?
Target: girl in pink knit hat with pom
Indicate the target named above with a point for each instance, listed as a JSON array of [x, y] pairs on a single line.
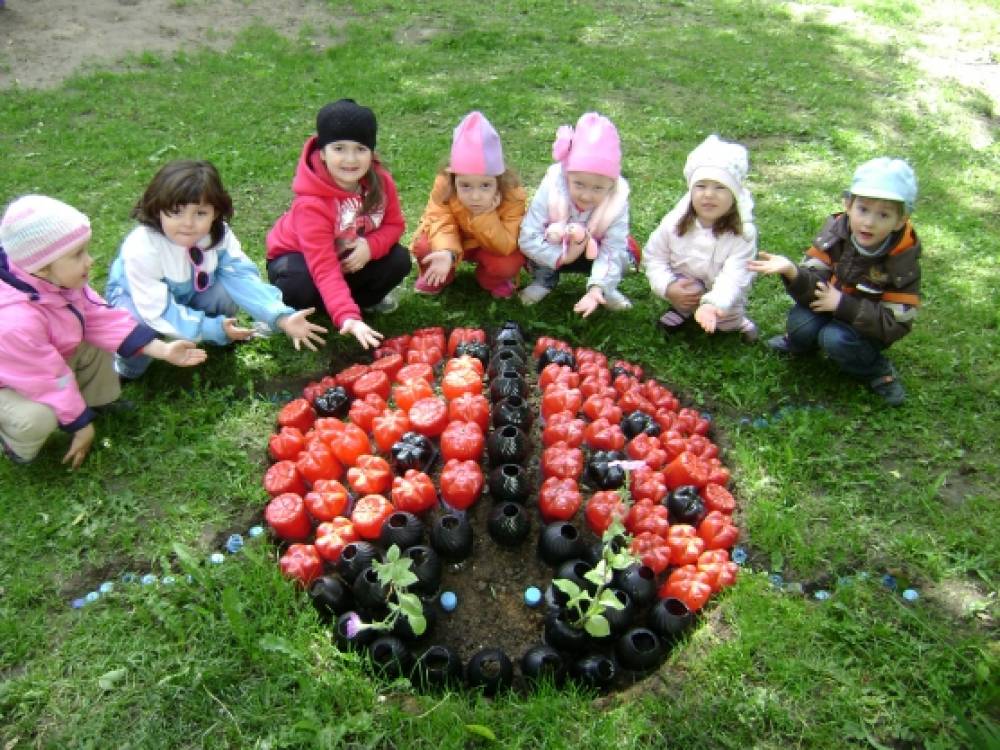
[[473, 214], [578, 218]]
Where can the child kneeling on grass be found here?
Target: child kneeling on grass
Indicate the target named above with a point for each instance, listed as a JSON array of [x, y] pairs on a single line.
[[58, 334], [474, 214], [578, 219], [858, 289], [183, 273], [697, 257]]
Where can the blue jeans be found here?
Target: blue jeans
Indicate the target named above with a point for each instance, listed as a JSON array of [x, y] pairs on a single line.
[[857, 355], [213, 301]]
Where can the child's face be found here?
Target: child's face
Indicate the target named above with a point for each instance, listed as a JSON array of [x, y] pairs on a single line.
[[477, 192], [347, 162], [873, 219], [588, 189], [711, 201], [186, 225], [70, 271]]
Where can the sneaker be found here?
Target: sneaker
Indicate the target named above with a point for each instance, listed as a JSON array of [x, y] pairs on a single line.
[[386, 305], [672, 320], [749, 333], [503, 290], [534, 293], [615, 300], [781, 345], [889, 388]]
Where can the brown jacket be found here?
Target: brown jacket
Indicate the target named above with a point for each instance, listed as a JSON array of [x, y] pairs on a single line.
[[880, 294], [449, 225]]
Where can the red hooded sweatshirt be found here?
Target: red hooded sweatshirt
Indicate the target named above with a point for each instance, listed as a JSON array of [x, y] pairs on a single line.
[[321, 213]]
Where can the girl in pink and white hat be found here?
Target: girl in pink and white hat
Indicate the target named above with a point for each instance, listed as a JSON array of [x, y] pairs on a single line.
[[474, 214], [578, 218]]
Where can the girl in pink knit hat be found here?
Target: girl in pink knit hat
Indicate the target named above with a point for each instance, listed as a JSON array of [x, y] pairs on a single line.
[[474, 213], [58, 334], [578, 218]]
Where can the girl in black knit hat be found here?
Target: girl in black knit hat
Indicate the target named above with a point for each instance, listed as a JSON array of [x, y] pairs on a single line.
[[337, 246]]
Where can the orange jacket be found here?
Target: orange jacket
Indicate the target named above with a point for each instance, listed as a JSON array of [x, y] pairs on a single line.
[[449, 225]]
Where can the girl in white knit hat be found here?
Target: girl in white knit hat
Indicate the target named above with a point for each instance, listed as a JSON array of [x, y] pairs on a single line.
[[58, 334], [696, 258]]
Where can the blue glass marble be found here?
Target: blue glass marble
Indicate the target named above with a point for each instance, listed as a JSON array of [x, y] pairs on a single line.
[[448, 601]]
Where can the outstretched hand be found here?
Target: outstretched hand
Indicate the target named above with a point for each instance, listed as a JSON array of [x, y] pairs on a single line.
[[437, 267], [184, 353], [708, 317], [768, 263], [589, 302], [367, 336], [301, 330], [234, 332]]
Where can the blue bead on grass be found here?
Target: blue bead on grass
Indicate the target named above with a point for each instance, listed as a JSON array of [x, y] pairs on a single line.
[[92, 597], [739, 555], [821, 595], [129, 578], [449, 601], [910, 595], [148, 580], [889, 581], [168, 580], [234, 544], [216, 558], [78, 603], [255, 531], [532, 596], [106, 588], [776, 579]]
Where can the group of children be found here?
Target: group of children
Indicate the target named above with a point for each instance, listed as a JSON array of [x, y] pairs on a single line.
[[182, 275]]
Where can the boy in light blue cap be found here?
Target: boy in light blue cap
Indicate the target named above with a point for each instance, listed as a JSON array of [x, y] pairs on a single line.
[[858, 289]]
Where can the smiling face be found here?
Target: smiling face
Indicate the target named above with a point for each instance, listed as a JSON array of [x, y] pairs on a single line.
[[588, 189], [476, 191], [70, 271], [711, 201], [873, 219], [186, 225], [347, 162]]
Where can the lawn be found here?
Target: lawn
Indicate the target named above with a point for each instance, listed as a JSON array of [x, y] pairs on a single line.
[[836, 491]]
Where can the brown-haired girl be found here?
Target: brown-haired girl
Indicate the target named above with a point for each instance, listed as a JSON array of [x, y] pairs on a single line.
[[474, 213], [338, 244], [696, 258], [183, 273]]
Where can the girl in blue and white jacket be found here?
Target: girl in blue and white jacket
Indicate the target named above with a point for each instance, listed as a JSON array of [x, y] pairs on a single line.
[[183, 272]]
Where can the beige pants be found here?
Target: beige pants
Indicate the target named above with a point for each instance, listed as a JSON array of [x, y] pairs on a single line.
[[25, 425]]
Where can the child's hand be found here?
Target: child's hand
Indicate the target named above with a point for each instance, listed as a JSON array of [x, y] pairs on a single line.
[[707, 317], [183, 353], [437, 267], [358, 256], [767, 263], [555, 232], [827, 298], [576, 232], [234, 332], [301, 330], [80, 446], [365, 334], [589, 302], [685, 294]]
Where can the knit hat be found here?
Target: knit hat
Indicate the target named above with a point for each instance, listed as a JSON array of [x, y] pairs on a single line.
[[725, 163], [345, 120], [475, 148], [887, 179], [592, 147], [37, 230]]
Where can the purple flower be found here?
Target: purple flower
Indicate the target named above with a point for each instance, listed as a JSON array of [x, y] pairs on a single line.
[[352, 625]]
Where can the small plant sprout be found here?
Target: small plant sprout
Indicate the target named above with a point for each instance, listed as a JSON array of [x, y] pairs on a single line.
[[589, 606], [395, 575]]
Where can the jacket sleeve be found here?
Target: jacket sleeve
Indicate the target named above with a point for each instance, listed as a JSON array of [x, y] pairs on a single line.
[[734, 280], [111, 328], [497, 231], [36, 370], [656, 257], [382, 239], [532, 237], [439, 221], [158, 307], [613, 257], [315, 224], [241, 279]]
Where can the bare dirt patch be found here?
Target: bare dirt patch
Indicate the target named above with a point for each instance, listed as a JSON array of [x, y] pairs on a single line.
[[42, 43]]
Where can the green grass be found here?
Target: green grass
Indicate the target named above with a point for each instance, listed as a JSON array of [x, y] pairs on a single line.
[[236, 659]]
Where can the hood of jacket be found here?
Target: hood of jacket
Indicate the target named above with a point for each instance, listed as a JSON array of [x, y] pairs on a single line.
[[312, 179]]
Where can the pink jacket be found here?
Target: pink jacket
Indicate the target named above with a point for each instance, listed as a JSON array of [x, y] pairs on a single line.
[[43, 324], [321, 213]]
